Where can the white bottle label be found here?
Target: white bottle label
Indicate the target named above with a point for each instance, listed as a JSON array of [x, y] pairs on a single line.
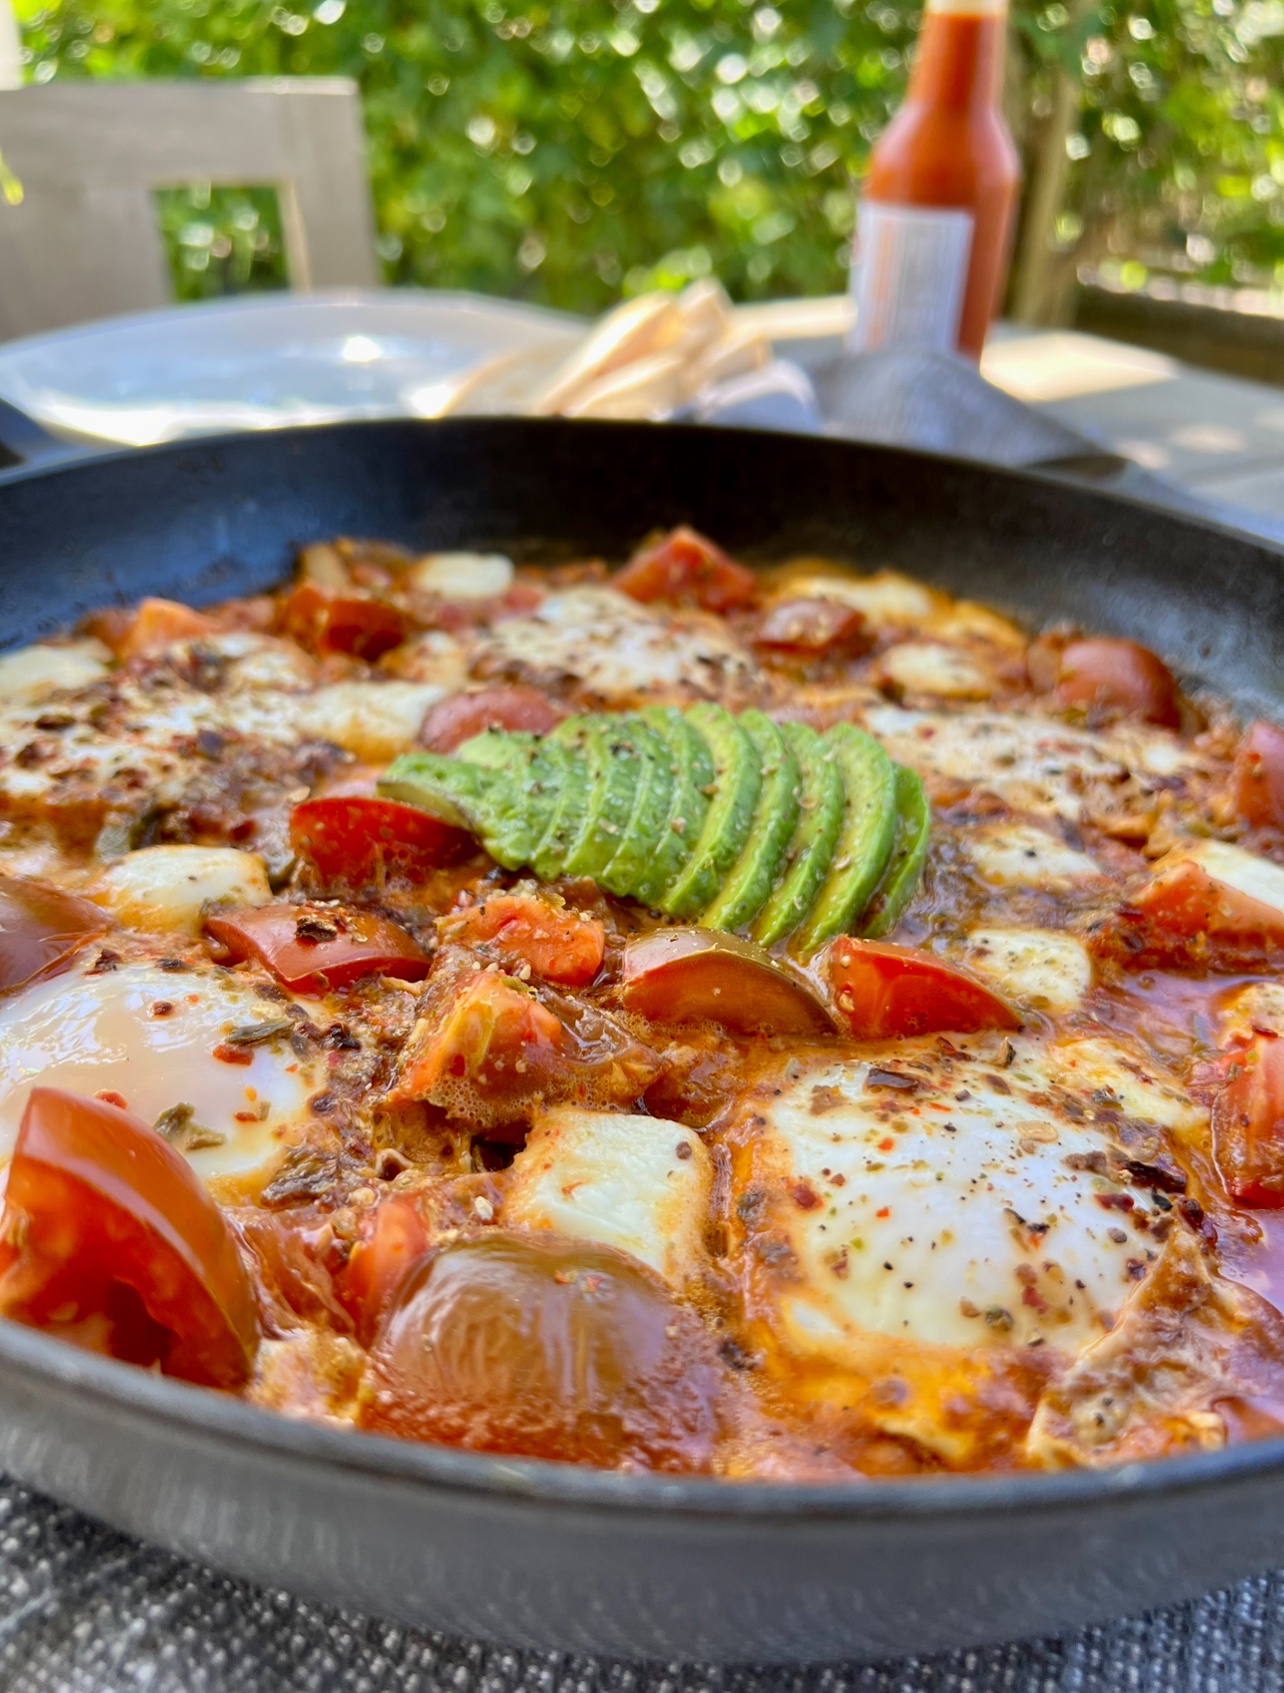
[[909, 275]]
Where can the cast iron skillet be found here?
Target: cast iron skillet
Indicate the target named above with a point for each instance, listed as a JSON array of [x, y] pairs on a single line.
[[540, 1554]]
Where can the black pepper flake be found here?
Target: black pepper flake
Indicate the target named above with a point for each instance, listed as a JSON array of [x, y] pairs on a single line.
[[105, 961], [172, 965], [683, 1149], [339, 1039], [321, 1104], [312, 930], [163, 1008], [731, 1352]]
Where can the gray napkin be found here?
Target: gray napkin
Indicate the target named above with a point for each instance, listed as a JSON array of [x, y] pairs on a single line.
[[944, 405]]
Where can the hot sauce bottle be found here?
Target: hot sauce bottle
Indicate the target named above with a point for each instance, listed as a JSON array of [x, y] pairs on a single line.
[[935, 223]]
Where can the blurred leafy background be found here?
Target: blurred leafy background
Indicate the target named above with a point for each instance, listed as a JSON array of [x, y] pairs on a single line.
[[565, 151]]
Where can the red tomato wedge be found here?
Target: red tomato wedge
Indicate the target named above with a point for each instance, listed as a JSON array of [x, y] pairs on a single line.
[[394, 1241], [323, 623], [807, 628], [1248, 1126], [1257, 781], [558, 942], [512, 706], [358, 839], [314, 948], [1207, 907], [686, 566], [109, 1239], [157, 624], [41, 927], [884, 992], [1121, 676]]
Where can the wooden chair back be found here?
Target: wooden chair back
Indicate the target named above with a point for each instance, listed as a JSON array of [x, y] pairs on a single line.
[[79, 234]]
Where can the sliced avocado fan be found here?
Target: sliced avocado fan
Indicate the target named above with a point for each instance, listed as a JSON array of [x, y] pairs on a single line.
[[731, 821]]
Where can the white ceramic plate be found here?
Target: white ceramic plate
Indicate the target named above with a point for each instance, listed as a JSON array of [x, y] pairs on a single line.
[[266, 361]]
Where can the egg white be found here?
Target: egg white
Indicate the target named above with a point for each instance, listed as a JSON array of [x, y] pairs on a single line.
[[959, 1212], [89, 1033]]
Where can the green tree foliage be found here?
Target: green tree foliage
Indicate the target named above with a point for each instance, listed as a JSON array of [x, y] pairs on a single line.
[[566, 150], [1177, 158]]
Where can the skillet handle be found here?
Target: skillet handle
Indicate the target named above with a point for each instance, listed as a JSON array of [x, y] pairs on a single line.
[[23, 442]]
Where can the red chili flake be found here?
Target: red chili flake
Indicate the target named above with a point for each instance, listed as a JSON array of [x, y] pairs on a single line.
[[884, 1211], [233, 1054], [163, 1008], [805, 1197], [886, 1144]]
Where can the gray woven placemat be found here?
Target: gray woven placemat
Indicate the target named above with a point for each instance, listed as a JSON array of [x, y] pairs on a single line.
[[86, 1610]]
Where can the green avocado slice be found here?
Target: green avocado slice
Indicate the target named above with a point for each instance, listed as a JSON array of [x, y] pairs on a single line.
[[614, 769], [534, 778], [463, 794], [566, 742], [811, 851], [737, 779], [652, 799], [691, 768], [864, 842], [913, 832], [753, 875]]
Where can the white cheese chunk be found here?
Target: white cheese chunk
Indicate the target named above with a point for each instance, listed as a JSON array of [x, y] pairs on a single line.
[[463, 576], [1037, 969], [165, 889], [33, 672], [886, 599], [927, 667], [1015, 855], [641, 1184], [374, 720]]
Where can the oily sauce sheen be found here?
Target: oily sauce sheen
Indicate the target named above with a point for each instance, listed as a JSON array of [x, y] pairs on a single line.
[[334, 1112]]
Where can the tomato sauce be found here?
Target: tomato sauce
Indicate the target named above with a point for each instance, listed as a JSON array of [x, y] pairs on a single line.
[[852, 1200]]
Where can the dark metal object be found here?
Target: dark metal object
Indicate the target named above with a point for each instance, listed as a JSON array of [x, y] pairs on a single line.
[[529, 1553]]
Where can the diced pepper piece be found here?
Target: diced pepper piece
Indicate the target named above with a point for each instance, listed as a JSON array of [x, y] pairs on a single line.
[[313, 949], [556, 941], [322, 622]]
